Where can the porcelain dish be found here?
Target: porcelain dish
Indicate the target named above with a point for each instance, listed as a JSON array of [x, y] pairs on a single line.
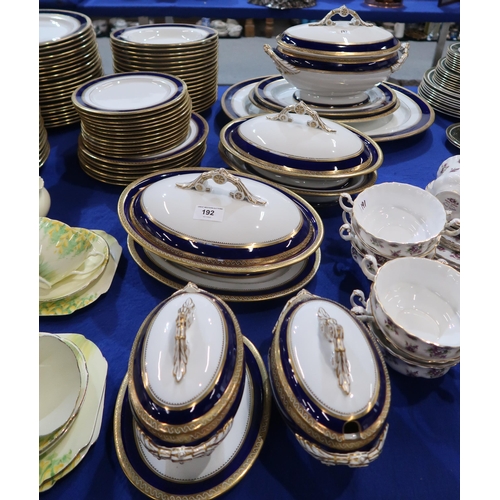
[[185, 392], [336, 62], [344, 421], [236, 243], [205, 476], [72, 447]]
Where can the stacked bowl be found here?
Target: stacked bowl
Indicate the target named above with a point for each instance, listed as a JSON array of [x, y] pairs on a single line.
[[68, 56], [329, 381], [393, 220], [446, 188], [235, 234], [440, 85], [187, 51], [314, 157], [414, 314], [136, 123], [335, 63], [194, 399]]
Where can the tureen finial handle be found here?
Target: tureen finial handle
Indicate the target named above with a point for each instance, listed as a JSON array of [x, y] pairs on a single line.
[[301, 108], [342, 12], [181, 350], [334, 333], [221, 176]]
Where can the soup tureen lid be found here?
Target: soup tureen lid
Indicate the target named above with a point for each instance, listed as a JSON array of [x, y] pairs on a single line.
[[354, 36]]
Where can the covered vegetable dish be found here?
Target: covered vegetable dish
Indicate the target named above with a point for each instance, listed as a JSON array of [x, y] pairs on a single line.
[[214, 220], [186, 375], [329, 381]]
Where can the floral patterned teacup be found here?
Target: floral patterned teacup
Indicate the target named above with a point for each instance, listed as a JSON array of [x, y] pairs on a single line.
[[63, 251]]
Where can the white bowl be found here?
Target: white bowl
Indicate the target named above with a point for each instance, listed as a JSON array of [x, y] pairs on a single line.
[[416, 303], [397, 219], [63, 380]]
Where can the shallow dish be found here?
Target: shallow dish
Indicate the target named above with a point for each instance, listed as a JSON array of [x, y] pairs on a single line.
[[228, 463], [330, 381], [63, 380], [57, 26]]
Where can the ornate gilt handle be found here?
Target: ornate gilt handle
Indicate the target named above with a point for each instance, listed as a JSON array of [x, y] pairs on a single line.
[[352, 459], [405, 48], [221, 176], [181, 454], [342, 12], [283, 66], [301, 108], [335, 335], [181, 350]]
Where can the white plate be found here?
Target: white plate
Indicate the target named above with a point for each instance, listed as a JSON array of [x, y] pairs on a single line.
[[71, 448], [162, 34], [52, 26], [413, 116], [129, 91]]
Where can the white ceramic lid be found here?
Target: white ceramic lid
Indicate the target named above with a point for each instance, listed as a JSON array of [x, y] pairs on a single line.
[[207, 342], [311, 357], [297, 139], [341, 33], [238, 223]]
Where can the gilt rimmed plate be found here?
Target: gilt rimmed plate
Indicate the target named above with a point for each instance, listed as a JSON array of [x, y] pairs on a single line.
[[453, 134], [68, 452], [235, 101], [275, 93], [254, 288], [57, 25], [205, 477]]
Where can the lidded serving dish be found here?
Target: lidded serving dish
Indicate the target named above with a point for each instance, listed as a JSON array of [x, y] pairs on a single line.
[[298, 148], [213, 220], [186, 375], [335, 62], [329, 381]]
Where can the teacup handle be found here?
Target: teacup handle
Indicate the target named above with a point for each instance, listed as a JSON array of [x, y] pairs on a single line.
[[345, 232], [360, 311], [345, 207], [369, 266], [43, 283], [99, 262], [452, 228], [221, 176]]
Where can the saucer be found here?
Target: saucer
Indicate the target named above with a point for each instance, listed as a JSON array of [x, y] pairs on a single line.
[[71, 448], [91, 293], [275, 93], [204, 477], [76, 283], [452, 257], [231, 289]]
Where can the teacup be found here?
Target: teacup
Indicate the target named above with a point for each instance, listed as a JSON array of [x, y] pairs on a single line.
[[396, 219], [63, 251], [450, 165], [446, 188]]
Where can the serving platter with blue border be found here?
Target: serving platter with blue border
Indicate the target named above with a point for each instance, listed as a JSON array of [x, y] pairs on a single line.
[[154, 486]]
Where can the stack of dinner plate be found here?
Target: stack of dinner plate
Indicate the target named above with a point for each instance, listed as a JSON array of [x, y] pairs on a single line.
[[187, 51], [135, 123], [43, 142], [68, 56], [440, 85]]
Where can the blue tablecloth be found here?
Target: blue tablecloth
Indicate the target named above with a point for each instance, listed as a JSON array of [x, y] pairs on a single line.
[[421, 456]]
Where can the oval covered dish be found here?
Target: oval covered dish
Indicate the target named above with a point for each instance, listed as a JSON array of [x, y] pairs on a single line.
[[214, 220], [330, 381], [186, 373]]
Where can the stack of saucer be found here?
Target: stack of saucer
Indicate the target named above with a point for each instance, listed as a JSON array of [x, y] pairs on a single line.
[[43, 142], [187, 51], [68, 426], [440, 85], [136, 123], [68, 56]]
